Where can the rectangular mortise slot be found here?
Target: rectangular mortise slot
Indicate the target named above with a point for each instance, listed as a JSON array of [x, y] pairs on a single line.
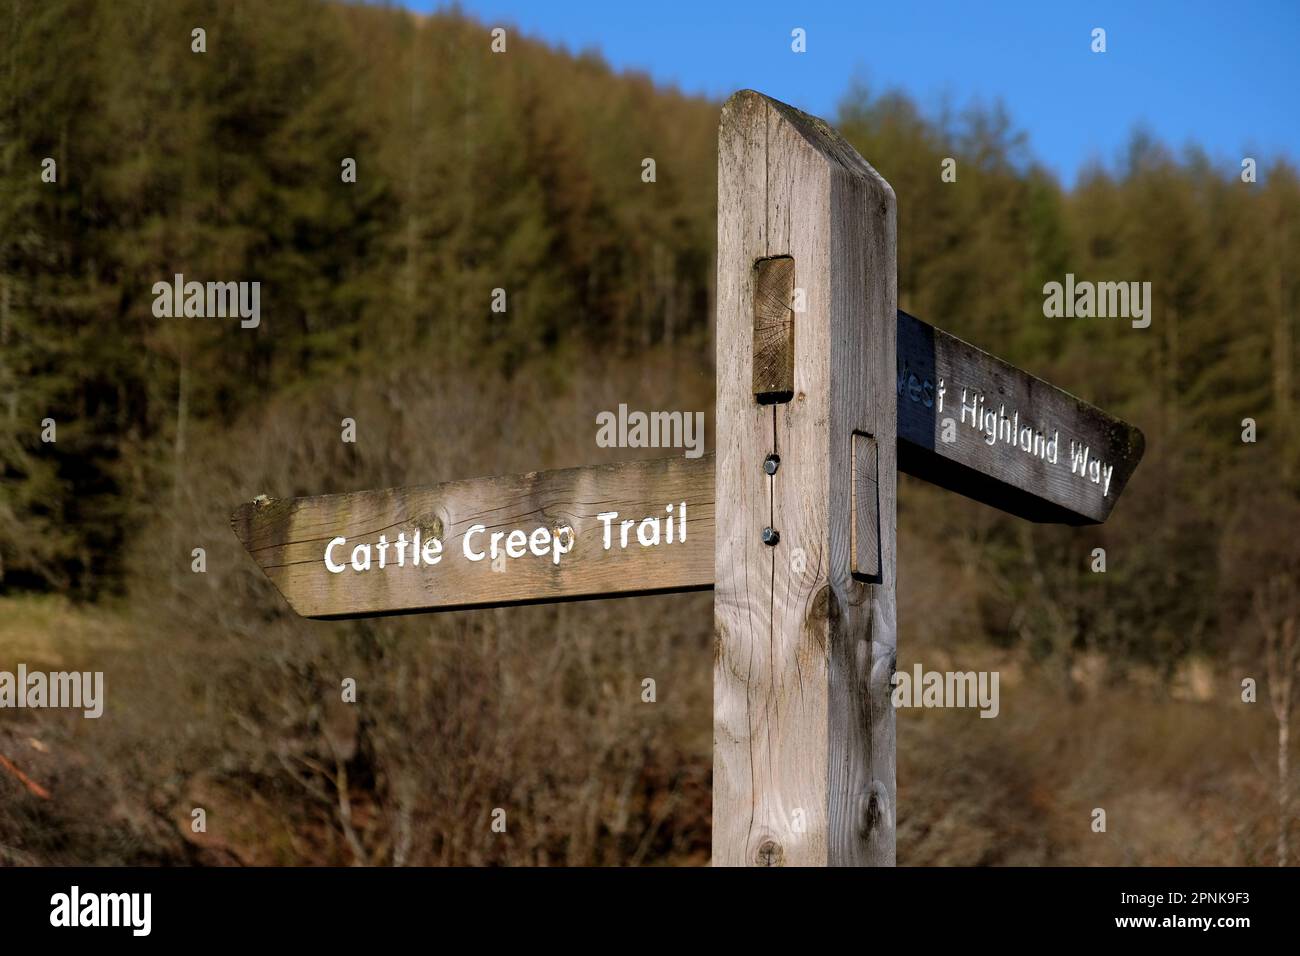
[[774, 330], [865, 530]]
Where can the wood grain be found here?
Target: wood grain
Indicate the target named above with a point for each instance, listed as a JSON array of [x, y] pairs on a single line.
[[287, 538], [866, 508], [1000, 474], [773, 342], [803, 729]]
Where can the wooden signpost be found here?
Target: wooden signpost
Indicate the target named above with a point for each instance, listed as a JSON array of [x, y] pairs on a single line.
[[824, 392]]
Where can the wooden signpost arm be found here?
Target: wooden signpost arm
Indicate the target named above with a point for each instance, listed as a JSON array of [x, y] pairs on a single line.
[[512, 539], [979, 426], [804, 611]]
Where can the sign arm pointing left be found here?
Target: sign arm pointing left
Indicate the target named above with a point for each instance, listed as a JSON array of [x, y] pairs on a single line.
[[638, 527]]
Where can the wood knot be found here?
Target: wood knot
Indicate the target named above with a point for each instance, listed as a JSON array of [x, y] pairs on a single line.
[[875, 810], [884, 664], [769, 853], [430, 526], [872, 819], [825, 606]]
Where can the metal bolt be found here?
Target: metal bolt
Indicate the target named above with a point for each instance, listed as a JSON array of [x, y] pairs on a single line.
[[771, 463], [771, 536]]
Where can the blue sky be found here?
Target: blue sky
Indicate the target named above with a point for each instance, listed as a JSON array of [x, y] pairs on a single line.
[[1225, 75]]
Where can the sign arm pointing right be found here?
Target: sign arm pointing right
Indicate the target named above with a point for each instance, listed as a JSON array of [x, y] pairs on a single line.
[[974, 424]]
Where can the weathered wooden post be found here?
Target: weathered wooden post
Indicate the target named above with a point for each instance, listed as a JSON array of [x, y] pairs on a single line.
[[804, 608]]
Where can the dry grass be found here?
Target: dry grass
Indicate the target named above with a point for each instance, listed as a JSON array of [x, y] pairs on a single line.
[[220, 698]]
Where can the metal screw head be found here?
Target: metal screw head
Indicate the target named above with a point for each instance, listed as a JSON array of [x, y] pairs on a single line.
[[771, 536], [771, 463]]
